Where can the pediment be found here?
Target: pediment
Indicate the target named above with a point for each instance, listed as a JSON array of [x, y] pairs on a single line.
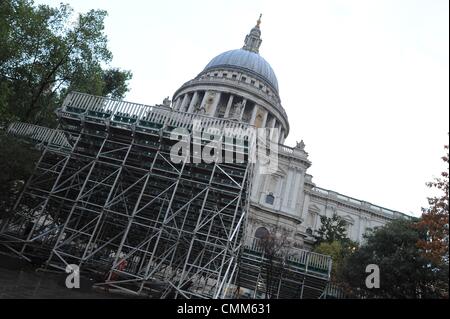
[[349, 219], [314, 208]]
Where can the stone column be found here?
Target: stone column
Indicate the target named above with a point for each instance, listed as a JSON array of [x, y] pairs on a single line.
[[278, 193], [315, 220], [215, 103], [193, 101], [296, 189], [271, 123], [184, 102], [256, 184], [205, 96], [264, 121], [244, 102], [176, 103], [254, 111], [179, 101], [287, 191], [227, 110], [281, 141], [273, 137], [362, 227], [262, 189], [304, 211]]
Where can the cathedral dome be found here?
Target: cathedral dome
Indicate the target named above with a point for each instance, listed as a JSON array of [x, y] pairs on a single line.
[[245, 60], [239, 85]]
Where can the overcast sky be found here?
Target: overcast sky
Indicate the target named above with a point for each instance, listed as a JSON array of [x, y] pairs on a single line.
[[365, 84]]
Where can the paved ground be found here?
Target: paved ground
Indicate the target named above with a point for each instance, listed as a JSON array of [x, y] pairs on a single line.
[[18, 279]]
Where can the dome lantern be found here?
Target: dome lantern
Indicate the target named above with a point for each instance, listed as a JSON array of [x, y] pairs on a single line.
[[253, 39]]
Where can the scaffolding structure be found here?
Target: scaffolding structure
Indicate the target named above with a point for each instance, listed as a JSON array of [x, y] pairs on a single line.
[[39, 135], [106, 196], [290, 273]]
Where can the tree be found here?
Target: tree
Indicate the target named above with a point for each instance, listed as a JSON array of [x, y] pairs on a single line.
[[44, 55], [17, 160], [332, 229], [435, 220], [404, 272], [435, 224], [338, 252], [115, 83], [276, 247], [332, 240]]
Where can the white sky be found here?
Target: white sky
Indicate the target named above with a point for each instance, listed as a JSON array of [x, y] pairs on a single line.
[[365, 84]]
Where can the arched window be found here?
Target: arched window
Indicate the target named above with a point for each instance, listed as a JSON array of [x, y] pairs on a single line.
[[261, 233], [270, 199]]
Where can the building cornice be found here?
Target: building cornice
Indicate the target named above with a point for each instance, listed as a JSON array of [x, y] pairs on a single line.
[[353, 203], [277, 213]]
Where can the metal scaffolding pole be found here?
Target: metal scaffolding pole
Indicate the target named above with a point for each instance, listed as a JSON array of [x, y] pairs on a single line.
[[107, 196], [114, 202]]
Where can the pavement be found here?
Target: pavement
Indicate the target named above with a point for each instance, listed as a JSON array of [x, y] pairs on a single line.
[[20, 279]]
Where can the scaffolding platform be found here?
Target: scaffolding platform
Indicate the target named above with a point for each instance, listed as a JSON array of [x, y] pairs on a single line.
[[295, 274], [107, 196], [112, 200]]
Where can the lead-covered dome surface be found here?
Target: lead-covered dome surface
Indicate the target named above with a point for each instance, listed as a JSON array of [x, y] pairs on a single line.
[[246, 60]]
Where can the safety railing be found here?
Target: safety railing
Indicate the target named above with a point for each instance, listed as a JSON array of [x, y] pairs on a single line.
[[308, 260], [38, 134], [125, 113]]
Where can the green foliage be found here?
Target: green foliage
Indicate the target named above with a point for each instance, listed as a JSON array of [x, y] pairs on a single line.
[[332, 229], [337, 251], [17, 161], [404, 272], [435, 220], [115, 82], [332, 240], [45, 54]]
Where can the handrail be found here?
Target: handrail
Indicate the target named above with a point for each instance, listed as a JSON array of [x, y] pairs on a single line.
[[82, 105], [304, 257], [38, 133], [85, 105]]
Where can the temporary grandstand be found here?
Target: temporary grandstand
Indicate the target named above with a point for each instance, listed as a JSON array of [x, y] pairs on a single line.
[[107, 196]]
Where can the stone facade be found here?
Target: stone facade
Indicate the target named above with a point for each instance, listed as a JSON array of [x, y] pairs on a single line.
[[241, 85]]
